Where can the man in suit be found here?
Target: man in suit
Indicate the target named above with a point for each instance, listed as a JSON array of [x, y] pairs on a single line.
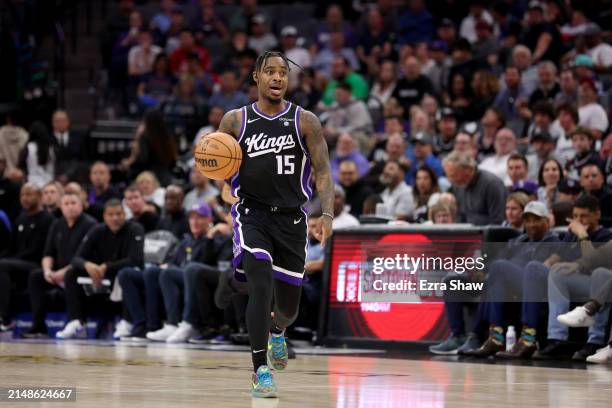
[[70, 148]]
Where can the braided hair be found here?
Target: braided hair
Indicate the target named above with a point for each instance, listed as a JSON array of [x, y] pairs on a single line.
[[264, 56]]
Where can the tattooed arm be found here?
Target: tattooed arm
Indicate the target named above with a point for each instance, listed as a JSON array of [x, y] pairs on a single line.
[[231, 123], [319, 156]]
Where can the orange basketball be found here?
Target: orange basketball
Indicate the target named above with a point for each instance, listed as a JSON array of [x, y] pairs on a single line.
[[218, 156]]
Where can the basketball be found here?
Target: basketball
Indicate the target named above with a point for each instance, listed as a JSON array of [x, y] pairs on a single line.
[[218, 156]]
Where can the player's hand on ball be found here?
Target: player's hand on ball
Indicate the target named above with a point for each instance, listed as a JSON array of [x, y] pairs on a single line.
[[324, 231]]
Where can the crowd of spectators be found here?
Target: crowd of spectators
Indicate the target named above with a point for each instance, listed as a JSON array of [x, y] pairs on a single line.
[[485, 113]]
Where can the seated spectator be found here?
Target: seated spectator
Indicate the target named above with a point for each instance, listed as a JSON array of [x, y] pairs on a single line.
[[65, 235], [375, 42], [583, 143], [411, 88], [422, 149], [261, 39], [492, 121], [198, 253], [141, 57], [415, 24], [593, 183], [203, 190], [174, 218], [505, 145], [153, 149], [567, 121], [149, 187], [228, 96], [438, 71], [342, 218], [463, 143], [13, 138], [517, 169], [598, 50], [568, 88], [584, 231], [481, 195], [385, 82], [458, 96], [51, 197], [324, 59], [161, 20], [101, 189], [294, 52], [370, 203], [550, 177], [313, 287], [187, 46], [542, 37], [520, 272], [543, 147], [334, 22], [522, 58], [355, 187], [515, 205], [348, 115], [397, 195], [29, 232], [157, 86], [426, 193], [547, 88], [136, 208], [172, 39], [38, 158], [108, 248], [215, 114], [442, 213], [70, 148], [543, 117], [346, 149], [394, 150], [184, 109], [486, 43], [485, 87], [592, 114], [342, 73], [446, 125]]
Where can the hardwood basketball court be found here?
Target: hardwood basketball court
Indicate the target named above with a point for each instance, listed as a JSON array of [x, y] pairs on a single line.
[[110, 374]]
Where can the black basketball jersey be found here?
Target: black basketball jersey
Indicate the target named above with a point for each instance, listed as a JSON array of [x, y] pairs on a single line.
[[275, 167]]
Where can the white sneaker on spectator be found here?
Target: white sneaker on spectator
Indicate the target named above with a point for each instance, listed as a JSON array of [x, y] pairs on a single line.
[[576, 318], [163, 333], [603, 356], [73, 330], [123, 328], [184, 332]]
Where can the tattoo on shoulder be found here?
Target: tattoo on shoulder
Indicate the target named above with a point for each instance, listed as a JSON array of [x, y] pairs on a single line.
[[231, 122], [310, 122]]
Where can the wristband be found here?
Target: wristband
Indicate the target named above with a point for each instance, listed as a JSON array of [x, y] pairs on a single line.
[[329, 215]]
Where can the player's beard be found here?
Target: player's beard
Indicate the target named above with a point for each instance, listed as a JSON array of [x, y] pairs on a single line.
[[275, 101]]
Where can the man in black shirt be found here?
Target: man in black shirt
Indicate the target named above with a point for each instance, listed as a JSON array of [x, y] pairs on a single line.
[[9, 194], [105, 250], [355, 187], [174, 218], [101, 189], [63, 240], [592, 182], [137, 205], [27, 244], [411, 88]]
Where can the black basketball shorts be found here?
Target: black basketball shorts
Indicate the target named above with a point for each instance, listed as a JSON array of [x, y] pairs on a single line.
[[280, 238]]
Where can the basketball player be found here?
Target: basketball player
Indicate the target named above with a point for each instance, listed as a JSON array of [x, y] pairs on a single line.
[[280, 142]]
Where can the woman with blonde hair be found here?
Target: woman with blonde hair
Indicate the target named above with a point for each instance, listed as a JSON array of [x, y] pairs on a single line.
[[515, 204], [149, 187]]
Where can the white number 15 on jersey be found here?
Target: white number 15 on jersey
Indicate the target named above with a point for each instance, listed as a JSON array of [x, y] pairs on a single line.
[[285, 165]]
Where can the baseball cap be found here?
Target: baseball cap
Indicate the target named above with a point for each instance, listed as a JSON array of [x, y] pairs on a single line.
[[438, 45], [536, 208], [202, 209], [445, 112], [591, 29], [259, 19], [446, 22], [583, 60], [339, 190], [526, 186], [422, 137], [535, 5], [590, 83], [289, 31]]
